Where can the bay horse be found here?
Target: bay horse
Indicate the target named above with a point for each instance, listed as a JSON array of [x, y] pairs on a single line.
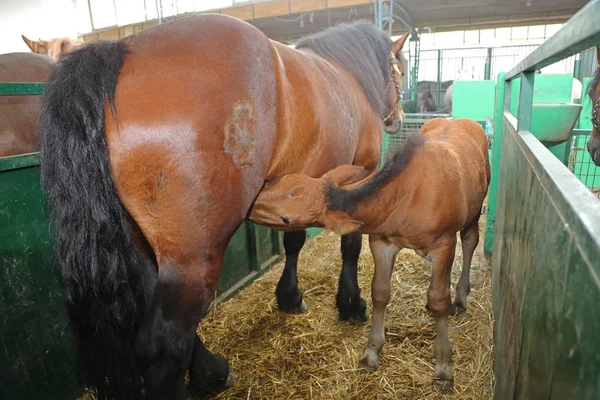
[[593, 144], [53, 48], [154, 148], [431, 189], [19, 114]]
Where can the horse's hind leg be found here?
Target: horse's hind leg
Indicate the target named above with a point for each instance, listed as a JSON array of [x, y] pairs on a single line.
[[167, 344], [289, 296], [469, 237], [351, 306]]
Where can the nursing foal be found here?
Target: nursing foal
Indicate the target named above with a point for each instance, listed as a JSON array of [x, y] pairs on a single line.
[[431, 189]]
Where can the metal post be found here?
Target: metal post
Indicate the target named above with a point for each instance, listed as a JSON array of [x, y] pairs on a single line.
[[439, 79], [525, 101], [488, 65]]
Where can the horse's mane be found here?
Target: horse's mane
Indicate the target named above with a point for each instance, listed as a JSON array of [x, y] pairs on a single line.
[[594, 84], [364, 50], [346, 200]]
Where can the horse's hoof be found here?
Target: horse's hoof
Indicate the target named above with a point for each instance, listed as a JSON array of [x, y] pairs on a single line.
[[444, 386], [458, 308], [355, 315], [231, 379], [295, 310], [369, 360]]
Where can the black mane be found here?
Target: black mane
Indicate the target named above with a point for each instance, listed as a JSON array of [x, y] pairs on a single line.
[[340, 199], [364, 50]]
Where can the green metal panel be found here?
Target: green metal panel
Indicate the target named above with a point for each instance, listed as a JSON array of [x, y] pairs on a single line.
[[37, 358], [473, 99], [545, 276], [496, 147], [14, 89], [551, 88]]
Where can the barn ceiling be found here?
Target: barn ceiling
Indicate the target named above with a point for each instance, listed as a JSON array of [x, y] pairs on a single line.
[[437, 15]]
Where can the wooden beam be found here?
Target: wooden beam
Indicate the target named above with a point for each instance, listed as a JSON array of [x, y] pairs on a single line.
[[271, 9], [244, 12]]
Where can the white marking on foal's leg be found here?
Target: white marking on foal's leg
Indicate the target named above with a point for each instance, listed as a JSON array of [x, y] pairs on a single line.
[[384, 254]]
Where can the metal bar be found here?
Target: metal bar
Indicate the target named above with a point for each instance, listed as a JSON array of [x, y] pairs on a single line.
[[581, 32], [525, 101], [19, 89], [488, 65], [91, 15], [439, 80]]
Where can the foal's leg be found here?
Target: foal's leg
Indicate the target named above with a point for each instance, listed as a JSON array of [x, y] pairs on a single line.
[[351, 306], [289, 296], [470, 238], [384, 254], [438, 302]]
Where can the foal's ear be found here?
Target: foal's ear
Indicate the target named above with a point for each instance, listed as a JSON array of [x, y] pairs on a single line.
[[598, 56], [345, 174], [399, 44], [340, 222]]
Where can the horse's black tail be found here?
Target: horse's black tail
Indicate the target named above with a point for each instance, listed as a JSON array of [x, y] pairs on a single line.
[[102, 271]]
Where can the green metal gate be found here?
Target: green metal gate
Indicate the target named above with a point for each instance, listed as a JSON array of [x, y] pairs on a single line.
[[546, 254], [37, 360]]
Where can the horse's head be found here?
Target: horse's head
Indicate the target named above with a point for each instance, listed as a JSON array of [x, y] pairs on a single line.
[[593, 145], [53, 48], [395, 118], [465, 74], [298, 202]]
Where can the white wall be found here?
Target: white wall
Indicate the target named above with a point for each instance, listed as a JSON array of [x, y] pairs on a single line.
[[36, 19]]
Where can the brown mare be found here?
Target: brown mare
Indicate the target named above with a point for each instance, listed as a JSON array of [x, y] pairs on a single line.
[[19, 114], [154, 148], [593, 145], [430, 190], [53, 48]]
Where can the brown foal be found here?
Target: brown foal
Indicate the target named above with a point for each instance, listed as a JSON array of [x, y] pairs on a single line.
[[433, 188]]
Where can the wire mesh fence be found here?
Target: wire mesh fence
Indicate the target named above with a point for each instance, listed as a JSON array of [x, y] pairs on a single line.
[[580, 162], [393, 142]]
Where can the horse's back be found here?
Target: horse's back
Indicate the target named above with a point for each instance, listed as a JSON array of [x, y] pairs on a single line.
[[19, 114]]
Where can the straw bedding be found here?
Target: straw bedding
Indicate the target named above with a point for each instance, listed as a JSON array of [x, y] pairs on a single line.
[[314, 356]]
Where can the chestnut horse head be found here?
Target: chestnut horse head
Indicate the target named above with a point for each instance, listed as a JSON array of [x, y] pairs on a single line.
[[53, 48], [593, 145], [394, 120]]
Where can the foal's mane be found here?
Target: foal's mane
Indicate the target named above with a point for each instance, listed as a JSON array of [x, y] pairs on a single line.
[[364, 50], [346, 200]]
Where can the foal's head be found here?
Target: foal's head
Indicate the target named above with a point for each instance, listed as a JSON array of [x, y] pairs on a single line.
[[298, 201]]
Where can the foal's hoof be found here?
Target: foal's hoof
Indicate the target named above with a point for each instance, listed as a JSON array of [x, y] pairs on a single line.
[[369, 360], [444, 386]]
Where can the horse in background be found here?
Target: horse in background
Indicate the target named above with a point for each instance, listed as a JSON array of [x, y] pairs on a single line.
[[433, 188], [593, 145], [53, 48], [425, 102], [19, 114], [154, 148]]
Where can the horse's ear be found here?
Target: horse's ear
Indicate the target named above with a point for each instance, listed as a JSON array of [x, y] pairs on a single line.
[[598, 56], [30, 43], [399, 44], [339, 222], [345, 174]]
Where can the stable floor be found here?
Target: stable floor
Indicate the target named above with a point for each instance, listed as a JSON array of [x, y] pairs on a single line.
[[314, 356]]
